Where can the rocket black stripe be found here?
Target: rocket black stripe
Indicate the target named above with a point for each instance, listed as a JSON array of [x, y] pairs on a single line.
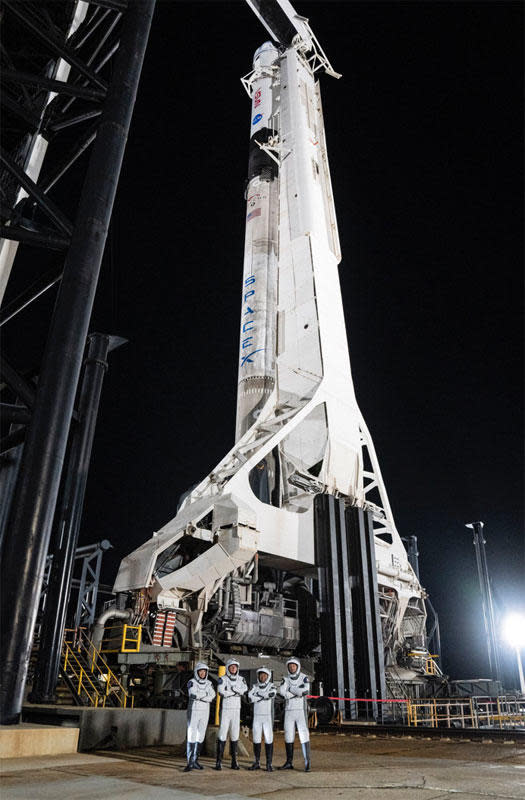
[[260, 162]]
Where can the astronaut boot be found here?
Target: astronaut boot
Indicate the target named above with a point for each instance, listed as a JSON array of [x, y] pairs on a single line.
[[256, 757], [269, 756], [233, 751], [306, 755], [191, 748], [288, 764], [198, 748], [219, 754]]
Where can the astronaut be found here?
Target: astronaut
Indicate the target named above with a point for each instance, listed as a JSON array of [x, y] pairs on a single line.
[[200, 695], [294, 688], [261, 695], [231, 687]]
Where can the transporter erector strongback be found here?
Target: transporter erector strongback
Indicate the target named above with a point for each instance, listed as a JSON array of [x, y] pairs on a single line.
[[289, 545]]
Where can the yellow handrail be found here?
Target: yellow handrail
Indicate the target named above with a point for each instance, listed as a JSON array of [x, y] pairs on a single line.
[[501, 711], [96, 656], [131, 644], [79, 674], [93, 657], [123, 641]]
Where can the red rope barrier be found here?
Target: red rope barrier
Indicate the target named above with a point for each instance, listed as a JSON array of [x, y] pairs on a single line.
[[356, 699]]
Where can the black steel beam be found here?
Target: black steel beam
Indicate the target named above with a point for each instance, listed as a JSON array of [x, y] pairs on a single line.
[[67, 520], [119, 5], [335, 603], [48, 240], [22, 389], [9, 412], [96, 69], [67, 122], [87, 29], [29, 295], [9, 463], [46, 204], [368, 635], [12, 440], [49, 180], [23, 113], [27, 539], [61, 87], [434, 636], [54, 43]]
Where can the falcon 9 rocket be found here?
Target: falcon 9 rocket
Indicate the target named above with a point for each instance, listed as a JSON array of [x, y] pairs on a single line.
[[243, 557]]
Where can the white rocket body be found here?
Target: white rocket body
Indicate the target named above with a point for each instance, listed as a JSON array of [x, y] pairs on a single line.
[[299, 429], [259, 284]]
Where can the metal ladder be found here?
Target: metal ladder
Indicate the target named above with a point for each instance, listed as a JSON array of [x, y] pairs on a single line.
[[88, 676]]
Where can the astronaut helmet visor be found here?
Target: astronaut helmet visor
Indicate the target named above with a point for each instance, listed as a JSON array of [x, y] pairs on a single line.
[[233, 669], [292, 668], [262, 676], [202, 673]]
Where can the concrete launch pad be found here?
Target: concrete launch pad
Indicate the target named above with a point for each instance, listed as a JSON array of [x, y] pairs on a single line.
[[30, 740], [344, 766]]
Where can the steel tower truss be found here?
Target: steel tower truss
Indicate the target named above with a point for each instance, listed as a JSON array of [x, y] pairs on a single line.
[[70, 73]]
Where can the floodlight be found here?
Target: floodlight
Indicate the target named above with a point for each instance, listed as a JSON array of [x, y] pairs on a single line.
[[514, 630]]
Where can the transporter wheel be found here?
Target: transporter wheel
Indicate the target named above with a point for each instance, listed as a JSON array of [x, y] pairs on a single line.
[[325, 709]]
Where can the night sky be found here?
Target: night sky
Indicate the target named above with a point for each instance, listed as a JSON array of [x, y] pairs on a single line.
[[425, 147]]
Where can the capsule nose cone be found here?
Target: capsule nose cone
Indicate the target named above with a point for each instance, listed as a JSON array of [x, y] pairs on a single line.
[[265, 54]]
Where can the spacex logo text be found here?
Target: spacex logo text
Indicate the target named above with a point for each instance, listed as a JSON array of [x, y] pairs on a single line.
[[248, 322]]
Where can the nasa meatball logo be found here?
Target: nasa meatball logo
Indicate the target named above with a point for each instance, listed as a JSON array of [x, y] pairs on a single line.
[[257, 118]]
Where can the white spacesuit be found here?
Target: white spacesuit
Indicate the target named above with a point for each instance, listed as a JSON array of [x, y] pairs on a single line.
[[231, 687], [200, 695], [294, 688], [262, 696]]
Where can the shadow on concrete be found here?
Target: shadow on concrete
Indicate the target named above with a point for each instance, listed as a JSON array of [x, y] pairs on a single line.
[[163, 757]]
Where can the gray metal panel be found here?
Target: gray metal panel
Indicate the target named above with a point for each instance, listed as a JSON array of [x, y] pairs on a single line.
[[337, 640]]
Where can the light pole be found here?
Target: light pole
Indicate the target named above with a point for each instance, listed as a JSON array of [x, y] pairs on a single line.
[[486, 599], [514, 634]]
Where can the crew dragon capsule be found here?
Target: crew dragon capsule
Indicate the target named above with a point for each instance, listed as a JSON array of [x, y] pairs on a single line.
[[242, 559]]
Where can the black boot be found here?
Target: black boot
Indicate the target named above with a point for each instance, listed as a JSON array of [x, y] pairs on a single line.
[[256, 756], [269, 756], [288, 764], [306, 755], [191, 748], [219, 754], [233, 751], [198, 748]]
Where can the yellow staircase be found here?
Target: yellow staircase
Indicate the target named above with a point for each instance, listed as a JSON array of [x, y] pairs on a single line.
[[88, 676]]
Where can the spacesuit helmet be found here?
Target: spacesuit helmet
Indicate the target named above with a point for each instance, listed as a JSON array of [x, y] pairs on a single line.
[[293, 675], [200, 665], [267, 673], [229, 664]]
